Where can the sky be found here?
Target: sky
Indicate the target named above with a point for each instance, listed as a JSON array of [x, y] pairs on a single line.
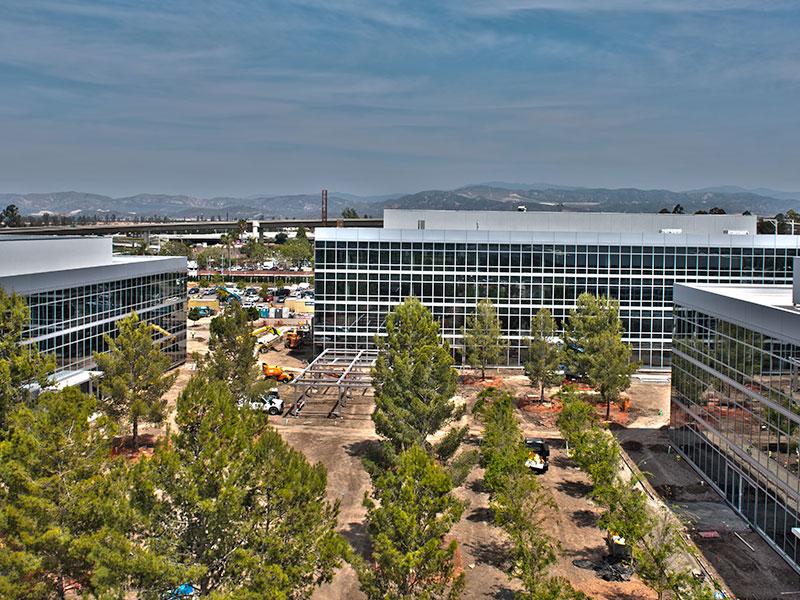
[[239, 98]]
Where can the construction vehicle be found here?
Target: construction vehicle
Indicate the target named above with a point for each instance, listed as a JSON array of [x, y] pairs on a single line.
[[539, 458], [226, 293], [278, 373], [617, 546], [294, 339], [266, 338], [270, 402]]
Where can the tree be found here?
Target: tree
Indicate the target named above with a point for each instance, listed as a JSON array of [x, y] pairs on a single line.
[[502, 449], [544, 355], [349, 213], [241, 226], [597, 453], [410, 512], [281, 237], [254, 250], [233, 508], [232, 351], [576, 418], [176, 248], [655, 556], [414, 382], [10, 217], [134, 375], [253, 313], [226, 239], [677, 209], [21, 365], [296, 251], [627, 514], [717, 211], [194, 314], [656, 541], [138, 249], [209, 256], [63, 514], [522, 509], [593, 337], [483, 337], [519, 503]]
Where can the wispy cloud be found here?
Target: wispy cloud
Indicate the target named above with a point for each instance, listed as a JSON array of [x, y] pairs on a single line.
[[210, 97]]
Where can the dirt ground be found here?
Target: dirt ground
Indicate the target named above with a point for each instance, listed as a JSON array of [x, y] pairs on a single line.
[[339, 444], [753, 574]]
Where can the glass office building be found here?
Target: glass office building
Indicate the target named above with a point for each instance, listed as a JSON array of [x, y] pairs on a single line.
[[735, 413], [77, 290], [525, 261]]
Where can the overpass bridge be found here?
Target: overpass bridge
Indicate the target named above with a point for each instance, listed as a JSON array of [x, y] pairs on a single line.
[[146, 229]]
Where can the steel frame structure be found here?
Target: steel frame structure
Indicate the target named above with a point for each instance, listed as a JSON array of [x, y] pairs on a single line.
[[338, 369]]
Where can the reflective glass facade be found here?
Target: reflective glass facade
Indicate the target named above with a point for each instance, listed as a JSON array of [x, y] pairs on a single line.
[[360, 275], [70, 323], [77, 289], [734, 414]]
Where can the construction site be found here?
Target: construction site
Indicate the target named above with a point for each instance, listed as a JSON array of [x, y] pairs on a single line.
[[327, 404]]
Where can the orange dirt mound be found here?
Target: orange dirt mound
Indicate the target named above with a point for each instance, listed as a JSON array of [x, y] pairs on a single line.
[[542, 408], [487, 382]]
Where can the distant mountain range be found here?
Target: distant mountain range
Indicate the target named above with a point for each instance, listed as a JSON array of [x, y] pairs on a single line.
[[489, 196]]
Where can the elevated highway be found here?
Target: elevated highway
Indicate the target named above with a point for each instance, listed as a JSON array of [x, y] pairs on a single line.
[[187, 227]]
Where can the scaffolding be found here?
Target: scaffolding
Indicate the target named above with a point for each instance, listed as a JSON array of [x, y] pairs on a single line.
[[334, 369]]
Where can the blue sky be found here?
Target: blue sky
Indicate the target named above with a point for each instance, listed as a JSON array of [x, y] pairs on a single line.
[[249, 97]]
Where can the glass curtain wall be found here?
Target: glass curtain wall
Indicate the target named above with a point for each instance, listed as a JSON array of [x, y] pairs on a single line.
[[70, 323], [735, 417], [357, 283]]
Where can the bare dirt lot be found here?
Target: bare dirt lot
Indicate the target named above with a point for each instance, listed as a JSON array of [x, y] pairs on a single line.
[[481, 543], [339, 444]]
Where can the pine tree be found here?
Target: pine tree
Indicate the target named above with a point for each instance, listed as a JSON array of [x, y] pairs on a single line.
[[10, 217], [410, 512], [134, 375], [576, 418], [62, 512], [544, 355], [233, 508], [232, 351], [414, 382], [20, 363], [593, 336], [483, 337]]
